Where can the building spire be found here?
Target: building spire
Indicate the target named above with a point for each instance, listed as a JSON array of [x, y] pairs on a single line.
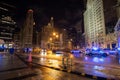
[[52, 21], [28, 29]]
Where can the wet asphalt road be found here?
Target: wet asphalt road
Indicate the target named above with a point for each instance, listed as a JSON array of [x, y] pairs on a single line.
[[108, 60], [93, 69], [15, 68], [44, 73]]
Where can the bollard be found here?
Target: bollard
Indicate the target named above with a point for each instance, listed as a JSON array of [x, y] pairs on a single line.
[[63, 61], [67, 61], [70, 62], [30, 57]]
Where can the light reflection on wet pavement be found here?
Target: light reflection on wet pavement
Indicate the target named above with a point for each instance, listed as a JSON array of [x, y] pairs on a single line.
[[97, 66], [103, 66], [18, 70], [97, 70], [51, 74], [88, 69], [109, 60], [48, 62]]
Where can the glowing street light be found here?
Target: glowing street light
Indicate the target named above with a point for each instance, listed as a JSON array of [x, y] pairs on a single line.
[[50, 39], [56, 36], [54, 33]]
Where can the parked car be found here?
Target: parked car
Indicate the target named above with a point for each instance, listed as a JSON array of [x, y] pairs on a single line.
[[75, 51], [96, 51], [110, 51]]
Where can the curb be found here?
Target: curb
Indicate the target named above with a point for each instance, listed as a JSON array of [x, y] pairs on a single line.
[[117, 67], [74, 72], [77, 73]]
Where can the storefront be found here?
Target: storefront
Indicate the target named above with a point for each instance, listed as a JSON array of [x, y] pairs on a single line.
[[5, 46]]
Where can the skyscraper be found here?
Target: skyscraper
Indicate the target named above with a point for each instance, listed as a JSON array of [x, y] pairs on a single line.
[[27, 35], [7, 25], [94, 23], [100, 18]]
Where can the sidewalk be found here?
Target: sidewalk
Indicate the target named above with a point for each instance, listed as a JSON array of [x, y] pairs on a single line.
[[11, 67], [8, 61]]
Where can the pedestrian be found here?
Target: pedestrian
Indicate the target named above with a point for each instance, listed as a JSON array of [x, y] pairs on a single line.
[[27, 50], [11, 51]]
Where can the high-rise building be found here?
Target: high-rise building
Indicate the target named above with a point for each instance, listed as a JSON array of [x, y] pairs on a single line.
[[118, 8], [27, 34], [99, 20], [47, 34], [94, 23], [53, 38], [7, 24], [7, 27]]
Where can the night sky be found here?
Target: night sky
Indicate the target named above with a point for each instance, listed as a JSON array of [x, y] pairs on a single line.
[[65, 12]]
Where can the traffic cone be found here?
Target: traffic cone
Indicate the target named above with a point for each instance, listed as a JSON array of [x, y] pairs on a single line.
[[30, 57]]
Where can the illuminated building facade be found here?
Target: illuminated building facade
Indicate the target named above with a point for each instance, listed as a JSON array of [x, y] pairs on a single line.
[[94, 23], [53, 38], [27, 34], [7, 24], [47, 34], [99, 20]]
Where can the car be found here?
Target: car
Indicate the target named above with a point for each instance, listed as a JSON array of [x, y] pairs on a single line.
[[110, 51], [87, 51], [113, 51], [96, 51], [43, 52], [57, 51], [106, 50], [75, 51]]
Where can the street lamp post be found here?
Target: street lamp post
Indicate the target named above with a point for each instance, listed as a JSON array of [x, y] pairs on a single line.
[[37, 38], [55, 39], [50, 42]]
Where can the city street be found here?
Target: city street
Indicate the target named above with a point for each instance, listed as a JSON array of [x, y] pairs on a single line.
[[44, 73], [98, 66], [83, 67], [60, 40], [109, 61], [13, 68]]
